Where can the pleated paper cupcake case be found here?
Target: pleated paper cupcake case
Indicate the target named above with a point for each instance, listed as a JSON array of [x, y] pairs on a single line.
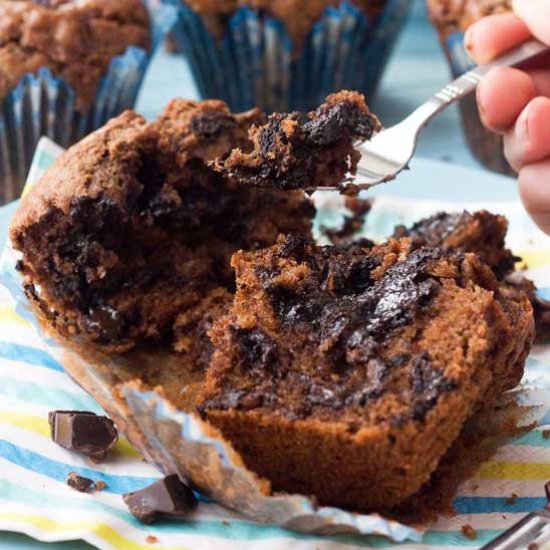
[[45, 105], [254, 63]]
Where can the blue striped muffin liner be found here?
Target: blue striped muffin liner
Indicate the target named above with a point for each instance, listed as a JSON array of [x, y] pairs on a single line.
[[45, 105], [253, 63]]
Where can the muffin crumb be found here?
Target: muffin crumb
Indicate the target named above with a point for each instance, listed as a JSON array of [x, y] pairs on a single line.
[[469, 532], [512, 499]]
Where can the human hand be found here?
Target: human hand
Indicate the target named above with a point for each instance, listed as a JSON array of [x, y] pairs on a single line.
[[516, 103]]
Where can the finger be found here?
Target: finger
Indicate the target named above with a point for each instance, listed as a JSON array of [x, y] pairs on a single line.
[[493, 35], [534, 186], [499, 110], [536, 14], [529, 140]]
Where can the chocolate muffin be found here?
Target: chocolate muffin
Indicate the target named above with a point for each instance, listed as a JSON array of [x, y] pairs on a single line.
[[337, 371], [451, 18], [135, 225], [286, 55], [75, 40], [66, 68], [457, 15]]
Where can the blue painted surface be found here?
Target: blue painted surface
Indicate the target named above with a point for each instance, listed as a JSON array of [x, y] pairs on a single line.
[[417, 69]]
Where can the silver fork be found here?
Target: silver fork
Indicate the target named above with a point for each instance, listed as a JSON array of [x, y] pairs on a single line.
[[390, 151]]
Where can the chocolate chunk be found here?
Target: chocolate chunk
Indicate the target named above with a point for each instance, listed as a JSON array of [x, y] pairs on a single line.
[[432, 231], [481, 233], [428, 384], [374, 309], [469, 532], [82, 484], [167, 497], [257, 348], [108, 322], [339, 121], [293, 246], [84, 432], [512, 499]]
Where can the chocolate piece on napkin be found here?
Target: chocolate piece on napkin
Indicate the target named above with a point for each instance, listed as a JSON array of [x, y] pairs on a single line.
[[167, 497], [85, 432]]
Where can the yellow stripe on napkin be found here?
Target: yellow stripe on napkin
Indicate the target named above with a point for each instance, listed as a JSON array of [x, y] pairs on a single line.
[[9, 315], [514, 470], [27, 422], [101, 530], [533, 259]]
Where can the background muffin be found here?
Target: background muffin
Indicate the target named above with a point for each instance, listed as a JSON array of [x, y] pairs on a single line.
[[286, 54], [65, 68], [451, 19]]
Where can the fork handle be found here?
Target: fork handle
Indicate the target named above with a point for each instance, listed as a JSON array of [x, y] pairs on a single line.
[[467, 83]]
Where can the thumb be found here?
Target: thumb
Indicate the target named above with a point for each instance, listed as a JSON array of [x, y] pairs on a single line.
[[536, 15]]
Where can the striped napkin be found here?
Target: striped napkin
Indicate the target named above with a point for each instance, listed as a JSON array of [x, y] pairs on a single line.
[[35, 500]]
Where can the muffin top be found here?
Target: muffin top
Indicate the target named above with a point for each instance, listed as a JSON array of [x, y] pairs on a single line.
[[76, 39], [298, 16], [457, 15]]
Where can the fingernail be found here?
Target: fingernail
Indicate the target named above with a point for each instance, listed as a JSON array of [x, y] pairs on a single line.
[[480, 106], [523, 121]]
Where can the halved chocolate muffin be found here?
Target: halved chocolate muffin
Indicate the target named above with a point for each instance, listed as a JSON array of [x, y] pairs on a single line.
[[348, 374]]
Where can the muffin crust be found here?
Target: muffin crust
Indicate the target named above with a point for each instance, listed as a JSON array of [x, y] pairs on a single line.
[[298, 16], [75, 40]]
